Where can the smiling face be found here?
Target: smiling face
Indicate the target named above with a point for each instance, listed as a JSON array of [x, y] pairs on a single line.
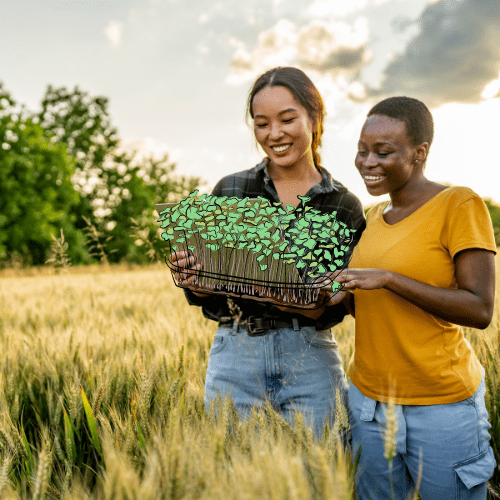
[[386, 159], [283, 128]]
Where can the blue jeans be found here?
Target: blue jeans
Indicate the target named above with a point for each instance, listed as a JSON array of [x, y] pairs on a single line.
[[296, 370], [450, 442]]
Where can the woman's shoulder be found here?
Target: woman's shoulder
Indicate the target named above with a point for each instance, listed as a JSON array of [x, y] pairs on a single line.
[[243, 183], [454, 196]]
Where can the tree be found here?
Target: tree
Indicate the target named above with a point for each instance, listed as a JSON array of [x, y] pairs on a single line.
[[132, 186], [115, 187], [36, 193]]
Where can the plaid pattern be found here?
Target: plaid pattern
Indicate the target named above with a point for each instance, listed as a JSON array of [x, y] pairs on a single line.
[[328, 196]]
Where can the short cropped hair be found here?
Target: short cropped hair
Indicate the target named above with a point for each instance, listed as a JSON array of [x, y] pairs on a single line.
[[416, 115]]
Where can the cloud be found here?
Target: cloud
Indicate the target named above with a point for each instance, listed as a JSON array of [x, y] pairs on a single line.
[[333, 8], [337, 8], [327, 48], [453, 58], [333, 47], [113, 32]]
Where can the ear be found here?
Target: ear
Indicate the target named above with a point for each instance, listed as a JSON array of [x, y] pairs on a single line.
[[421, 152]]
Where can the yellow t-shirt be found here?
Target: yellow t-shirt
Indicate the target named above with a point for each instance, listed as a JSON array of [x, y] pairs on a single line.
[[401, 350]]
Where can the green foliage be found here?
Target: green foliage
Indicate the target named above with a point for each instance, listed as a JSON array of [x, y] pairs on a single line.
[[115, 186], [138, 186], [36, 193], [59, 253], [265, 229]]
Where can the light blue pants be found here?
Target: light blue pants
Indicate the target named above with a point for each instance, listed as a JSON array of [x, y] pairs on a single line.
[[296, 370], [450, 442]]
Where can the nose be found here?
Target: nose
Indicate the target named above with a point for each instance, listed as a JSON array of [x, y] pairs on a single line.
[[370, 160], [276, 131]]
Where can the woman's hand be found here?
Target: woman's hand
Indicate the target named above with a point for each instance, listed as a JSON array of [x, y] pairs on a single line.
[[326, 298], [184, 268], [364, 279]]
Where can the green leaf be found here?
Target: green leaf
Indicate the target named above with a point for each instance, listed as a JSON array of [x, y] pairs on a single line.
[[310, 243], [29, 462], [140, 435], [69, 438], [91, 422]]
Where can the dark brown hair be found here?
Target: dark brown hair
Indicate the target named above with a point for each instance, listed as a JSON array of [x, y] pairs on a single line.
[[303, 91], [416, 115]]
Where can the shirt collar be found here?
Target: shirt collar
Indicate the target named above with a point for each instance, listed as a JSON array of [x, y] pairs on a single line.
[[327, 184]]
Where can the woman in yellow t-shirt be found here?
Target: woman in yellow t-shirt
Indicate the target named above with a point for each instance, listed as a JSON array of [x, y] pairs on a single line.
[[423, 266]]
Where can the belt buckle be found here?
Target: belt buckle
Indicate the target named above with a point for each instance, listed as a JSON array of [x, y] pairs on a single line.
[[254, 331]]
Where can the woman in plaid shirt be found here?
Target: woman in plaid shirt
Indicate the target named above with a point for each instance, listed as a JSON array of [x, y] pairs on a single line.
[[285, 355]]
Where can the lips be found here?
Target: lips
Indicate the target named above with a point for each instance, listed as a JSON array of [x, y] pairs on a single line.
[[281, 148], [371, 179]]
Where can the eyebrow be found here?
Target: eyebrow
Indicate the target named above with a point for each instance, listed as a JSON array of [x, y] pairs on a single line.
[[378, 143], [280, 113]]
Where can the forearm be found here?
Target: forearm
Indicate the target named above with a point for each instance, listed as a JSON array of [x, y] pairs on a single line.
[[458, 306]]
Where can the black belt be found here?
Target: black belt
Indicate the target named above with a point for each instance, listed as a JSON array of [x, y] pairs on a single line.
[[260, 326]]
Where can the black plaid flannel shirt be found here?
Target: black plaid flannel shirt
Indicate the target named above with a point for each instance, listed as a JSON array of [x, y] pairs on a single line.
[[327, 196]]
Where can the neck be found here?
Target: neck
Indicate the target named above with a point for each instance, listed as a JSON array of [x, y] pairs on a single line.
[[302, 171], [410, 193]]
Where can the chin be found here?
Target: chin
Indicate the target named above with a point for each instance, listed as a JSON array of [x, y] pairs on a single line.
[[376, 192]]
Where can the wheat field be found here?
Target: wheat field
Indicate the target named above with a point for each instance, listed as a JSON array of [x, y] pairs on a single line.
[[101, 397]]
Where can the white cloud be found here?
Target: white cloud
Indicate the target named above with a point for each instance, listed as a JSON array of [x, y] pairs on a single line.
[[492, 89], [275, 47], [203, 18], [113, 32], [334, 48], [331, 9]]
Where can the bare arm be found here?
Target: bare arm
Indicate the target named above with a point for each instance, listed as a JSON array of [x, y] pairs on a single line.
[[469, 305]]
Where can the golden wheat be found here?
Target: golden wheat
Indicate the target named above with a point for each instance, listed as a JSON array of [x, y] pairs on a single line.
[[128, 341]]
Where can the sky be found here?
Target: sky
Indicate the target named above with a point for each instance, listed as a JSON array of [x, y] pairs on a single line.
[[177, 73]]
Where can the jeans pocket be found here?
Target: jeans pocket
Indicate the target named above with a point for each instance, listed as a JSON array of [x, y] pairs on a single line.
[[473, 474], [219, 343], [319, 338]]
